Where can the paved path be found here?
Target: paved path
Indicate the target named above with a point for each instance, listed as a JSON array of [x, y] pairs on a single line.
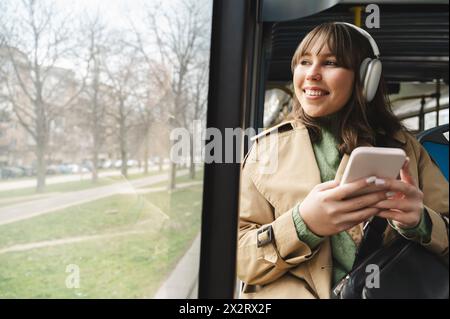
[[33, 208], [27, 183]]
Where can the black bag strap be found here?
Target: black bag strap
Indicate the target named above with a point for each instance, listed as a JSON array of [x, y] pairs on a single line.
[[372, 239]]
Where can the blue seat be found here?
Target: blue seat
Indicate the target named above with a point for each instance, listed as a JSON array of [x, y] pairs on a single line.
[[434, 141]]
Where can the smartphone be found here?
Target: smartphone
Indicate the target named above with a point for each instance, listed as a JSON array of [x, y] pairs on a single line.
[[382, 162]]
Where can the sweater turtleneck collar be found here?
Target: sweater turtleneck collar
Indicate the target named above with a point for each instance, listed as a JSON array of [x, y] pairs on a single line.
[[330, 124]]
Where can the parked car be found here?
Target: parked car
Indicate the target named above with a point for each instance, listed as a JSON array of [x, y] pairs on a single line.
[[52, 170], [131, 163], [64, 169], [75, 169], [87, 165], [11, 172], [27, 170]]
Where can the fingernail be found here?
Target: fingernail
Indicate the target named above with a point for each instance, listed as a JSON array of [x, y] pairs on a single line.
[[390, 194], [371, 180], [380, 182]]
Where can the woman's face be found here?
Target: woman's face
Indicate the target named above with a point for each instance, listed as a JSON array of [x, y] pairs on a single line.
[[321, 86]]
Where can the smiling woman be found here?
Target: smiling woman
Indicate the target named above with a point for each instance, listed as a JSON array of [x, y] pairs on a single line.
[[300, 230], [324, 68]]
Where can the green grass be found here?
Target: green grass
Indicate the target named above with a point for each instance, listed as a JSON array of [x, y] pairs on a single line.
[[128, 266], [181, 179], [86, 219], [123, 268]]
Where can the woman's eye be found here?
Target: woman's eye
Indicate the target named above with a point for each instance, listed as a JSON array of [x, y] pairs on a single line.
[[334, 63], [304, 62]]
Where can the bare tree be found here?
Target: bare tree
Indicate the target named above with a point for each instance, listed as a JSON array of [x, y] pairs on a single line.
[[180, 36], [121, 66], [158, 81], [2, 17], [154, 95], [96, 99], [36, 38], [197, 112]]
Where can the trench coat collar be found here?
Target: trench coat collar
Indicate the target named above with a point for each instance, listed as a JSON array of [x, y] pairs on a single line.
[[399, 137]]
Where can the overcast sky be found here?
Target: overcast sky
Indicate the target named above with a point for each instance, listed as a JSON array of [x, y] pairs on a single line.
[[114, 13]]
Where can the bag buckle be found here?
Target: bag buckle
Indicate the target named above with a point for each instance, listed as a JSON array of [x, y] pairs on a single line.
[[338, 289]]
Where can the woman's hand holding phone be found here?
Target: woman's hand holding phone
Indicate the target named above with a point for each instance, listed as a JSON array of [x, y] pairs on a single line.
[[328, 210], [404, 205]]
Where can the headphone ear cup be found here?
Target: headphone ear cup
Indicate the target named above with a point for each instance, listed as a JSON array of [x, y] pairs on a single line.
[[363, 69], [362, 75], [372, 79]]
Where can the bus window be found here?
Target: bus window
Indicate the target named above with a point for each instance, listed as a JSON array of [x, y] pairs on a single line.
[[101, 188], [421, 106], [412, 123], [430, 120]]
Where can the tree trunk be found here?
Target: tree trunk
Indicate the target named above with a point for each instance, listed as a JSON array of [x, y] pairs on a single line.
[[192, 170], [95, 165], [172, 176], [41, 146], [95, 154], [41, 167], [191, 158], [96, 122], [123, 142], [172, 171], [146, 151], [124, 167]]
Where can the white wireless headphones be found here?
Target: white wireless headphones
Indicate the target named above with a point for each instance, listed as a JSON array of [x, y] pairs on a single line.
[[370, 69]]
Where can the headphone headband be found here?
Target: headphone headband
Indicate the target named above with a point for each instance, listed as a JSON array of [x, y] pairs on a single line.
[[366, 34]]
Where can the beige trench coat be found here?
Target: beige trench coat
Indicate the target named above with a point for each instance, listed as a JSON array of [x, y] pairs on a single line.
[[286, 267]]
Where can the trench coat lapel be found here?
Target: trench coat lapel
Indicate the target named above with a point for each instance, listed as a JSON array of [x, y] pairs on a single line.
[[319, 267]]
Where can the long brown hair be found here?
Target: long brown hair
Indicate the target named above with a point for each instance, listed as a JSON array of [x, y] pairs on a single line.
[[359, 121]]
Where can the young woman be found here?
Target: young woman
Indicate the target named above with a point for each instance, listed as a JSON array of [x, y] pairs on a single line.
[[298, 235]]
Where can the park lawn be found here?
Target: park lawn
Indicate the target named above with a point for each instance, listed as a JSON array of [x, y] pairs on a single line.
[[92, 218], [146, 240]]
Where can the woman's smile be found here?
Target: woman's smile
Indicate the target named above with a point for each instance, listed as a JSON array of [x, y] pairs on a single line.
[[315, 93]]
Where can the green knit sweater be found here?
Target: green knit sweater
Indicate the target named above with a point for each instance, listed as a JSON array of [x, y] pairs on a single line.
[[342, 245]]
